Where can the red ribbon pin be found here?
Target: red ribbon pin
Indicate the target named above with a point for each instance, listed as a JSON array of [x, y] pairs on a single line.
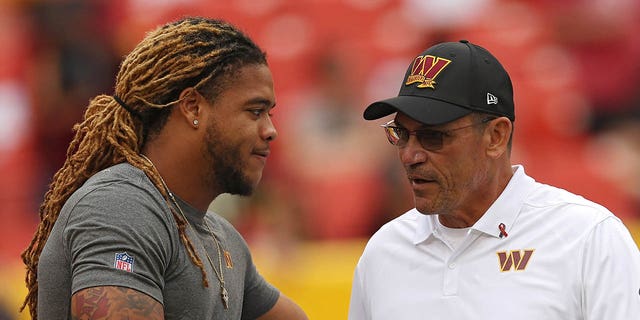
[[503, 231]]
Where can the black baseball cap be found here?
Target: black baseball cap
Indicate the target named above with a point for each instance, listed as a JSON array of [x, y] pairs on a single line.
[[448, 81]]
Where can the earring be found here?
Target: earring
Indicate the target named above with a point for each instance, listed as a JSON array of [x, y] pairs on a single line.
[[195, 122]]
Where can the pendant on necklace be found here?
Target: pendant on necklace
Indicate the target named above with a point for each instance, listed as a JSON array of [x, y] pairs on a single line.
[[225, 297]]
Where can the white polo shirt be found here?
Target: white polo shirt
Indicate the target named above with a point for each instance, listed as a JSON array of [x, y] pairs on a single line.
[[564, 257]]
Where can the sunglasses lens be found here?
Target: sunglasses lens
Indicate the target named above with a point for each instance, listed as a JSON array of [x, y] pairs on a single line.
[[394, 135], [430, 140]]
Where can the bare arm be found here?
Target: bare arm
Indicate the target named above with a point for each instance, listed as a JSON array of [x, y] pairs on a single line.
[[110, 302], [284, 309]]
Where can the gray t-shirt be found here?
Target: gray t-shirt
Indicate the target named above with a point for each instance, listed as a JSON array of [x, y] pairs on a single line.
[[117, 230]]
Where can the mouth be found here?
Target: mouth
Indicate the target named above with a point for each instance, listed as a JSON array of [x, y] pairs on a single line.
[[262, 153], [417, 181]]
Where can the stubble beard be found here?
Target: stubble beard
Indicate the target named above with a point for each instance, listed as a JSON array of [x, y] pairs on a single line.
[[225, 170], [430, 204]]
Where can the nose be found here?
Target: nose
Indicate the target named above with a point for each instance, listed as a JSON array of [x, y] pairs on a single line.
[[412, 153], [269, 132]]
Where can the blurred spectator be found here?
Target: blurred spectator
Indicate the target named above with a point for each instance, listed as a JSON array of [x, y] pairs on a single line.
[[614, 155], [270, 220], [17, 158], [602, 38], [73, 60], [334, 169]]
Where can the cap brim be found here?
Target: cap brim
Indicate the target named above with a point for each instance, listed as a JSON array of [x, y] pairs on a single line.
[[425, 110]]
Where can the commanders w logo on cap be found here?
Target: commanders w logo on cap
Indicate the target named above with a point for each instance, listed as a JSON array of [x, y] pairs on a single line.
[[425, 69]]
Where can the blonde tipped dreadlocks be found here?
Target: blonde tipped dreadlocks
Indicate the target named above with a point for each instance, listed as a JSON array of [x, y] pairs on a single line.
[[192, 52]]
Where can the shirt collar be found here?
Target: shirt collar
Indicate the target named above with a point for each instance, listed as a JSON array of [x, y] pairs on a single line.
[[507, 207], [504, 210], [424, 228]]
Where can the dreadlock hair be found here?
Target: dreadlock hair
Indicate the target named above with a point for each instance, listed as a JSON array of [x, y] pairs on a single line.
[[191, 52]]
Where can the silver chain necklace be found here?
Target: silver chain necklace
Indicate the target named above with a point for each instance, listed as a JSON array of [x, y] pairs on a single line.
[[224, 294]]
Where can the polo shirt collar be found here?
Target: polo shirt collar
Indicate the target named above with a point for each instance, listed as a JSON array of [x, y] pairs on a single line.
[[504, 210], [507, 207], [425, 227]]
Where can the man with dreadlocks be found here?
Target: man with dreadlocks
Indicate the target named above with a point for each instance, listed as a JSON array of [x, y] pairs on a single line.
[[125, 231]]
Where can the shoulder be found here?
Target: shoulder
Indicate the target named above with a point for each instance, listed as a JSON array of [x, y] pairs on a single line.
[[407, 221], [557, 201], [121, 180], [569, 215], [400, 230], [119, 195]]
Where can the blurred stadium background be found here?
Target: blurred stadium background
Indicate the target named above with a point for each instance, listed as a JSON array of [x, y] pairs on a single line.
[[333, 179]]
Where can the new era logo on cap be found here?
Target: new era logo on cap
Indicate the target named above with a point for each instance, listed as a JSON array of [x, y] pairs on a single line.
[[491, 99]]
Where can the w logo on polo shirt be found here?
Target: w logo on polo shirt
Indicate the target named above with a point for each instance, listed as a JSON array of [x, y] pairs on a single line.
[[514, 259]]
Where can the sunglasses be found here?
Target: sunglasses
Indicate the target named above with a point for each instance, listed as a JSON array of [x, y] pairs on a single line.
[[429, 139]]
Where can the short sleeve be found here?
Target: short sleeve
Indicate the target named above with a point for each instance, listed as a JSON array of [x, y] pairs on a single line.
[[259, 295], [118, 235], [611, 277]]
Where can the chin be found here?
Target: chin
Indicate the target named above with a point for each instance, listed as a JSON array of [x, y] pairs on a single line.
[[243, 188], [241, 192], [426, 212], [425, 207]]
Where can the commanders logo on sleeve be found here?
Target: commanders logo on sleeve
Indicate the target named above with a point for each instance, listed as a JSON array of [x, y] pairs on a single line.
[[123, 261]]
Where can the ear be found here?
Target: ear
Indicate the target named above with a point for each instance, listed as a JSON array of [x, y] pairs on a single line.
[[499, 133], [189, 106]]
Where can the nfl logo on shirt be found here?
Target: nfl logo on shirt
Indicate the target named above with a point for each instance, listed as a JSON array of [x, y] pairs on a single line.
[[124, 262]]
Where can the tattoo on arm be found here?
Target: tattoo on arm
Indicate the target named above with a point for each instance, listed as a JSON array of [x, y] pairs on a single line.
[[111, 302]]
